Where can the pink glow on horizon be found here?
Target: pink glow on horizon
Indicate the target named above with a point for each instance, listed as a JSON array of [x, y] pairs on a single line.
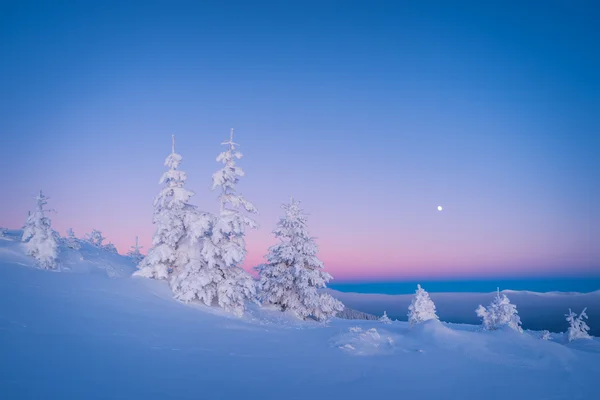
[[413, 256]]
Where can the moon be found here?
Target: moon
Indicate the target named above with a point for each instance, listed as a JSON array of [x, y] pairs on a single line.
[[440, 208]]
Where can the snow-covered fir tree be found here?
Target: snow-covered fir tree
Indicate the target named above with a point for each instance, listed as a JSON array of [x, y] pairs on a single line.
[[134, 253], [173, 216], [71, 241], [499, 313], [421, 308], [95, 238], [216, 276], [293, 272], [385, 319], [39, 236], [578, 329]]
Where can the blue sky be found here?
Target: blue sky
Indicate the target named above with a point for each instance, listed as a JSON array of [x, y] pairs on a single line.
[[370, 113]]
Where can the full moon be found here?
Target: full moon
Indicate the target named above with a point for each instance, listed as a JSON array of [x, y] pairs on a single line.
[[439, 208]]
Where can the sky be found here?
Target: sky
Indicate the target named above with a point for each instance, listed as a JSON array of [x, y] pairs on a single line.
[[371, 114]]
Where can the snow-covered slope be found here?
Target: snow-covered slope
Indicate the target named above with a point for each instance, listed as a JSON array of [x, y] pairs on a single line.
[[104, 335]]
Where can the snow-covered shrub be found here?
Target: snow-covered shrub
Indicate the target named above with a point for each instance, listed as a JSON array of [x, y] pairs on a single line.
[[39, 237], [215, 275], [293, 273], [71, 241], [134, 253], [170, 250], [545, 335], [421, 308], [3, 232], [499, 313], [110, 248], [384, 319], [348, 313], [578, 329], [95, 238]]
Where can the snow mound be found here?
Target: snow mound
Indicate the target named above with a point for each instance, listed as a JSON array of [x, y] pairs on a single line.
[[365, 342]]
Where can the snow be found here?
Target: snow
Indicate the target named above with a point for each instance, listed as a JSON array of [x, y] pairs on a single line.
[[215, 275], [538, 311], [39, 237], [293, 272], [578, 329], [421, 308], [499, 313], [92, 332]]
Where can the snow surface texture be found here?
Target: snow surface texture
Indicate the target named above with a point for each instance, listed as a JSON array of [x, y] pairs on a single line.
[[293, 272], [538, 311], [83, 335]]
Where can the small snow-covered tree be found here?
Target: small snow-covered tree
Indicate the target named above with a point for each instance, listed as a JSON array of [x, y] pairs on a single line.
[[3, 232], [71, 241], [545, 335], [421, 308], [216, 275], [39, 236], [384, 319], [499, 313], [95, 238], [134, 253], [110, 248], [293, 273], [169, 252], [578, 329]]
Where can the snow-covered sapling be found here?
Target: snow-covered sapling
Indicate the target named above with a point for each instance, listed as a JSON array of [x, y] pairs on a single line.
[[110, 248], [421, 308], [169, 252], [545, 335], [95, 238], [71, 241], [578, 329], [384, 319], [39, 236], [293, 273], [499, 313], [134, 253]]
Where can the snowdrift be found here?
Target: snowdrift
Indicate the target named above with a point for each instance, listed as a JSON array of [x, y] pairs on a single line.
[[91, 331]]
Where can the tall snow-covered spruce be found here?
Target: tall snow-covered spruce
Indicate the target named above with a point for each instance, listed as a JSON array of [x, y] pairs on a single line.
[[173, 217], [216, 276], [293, 273], [421, 308], [499, 313], [39, 236]]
